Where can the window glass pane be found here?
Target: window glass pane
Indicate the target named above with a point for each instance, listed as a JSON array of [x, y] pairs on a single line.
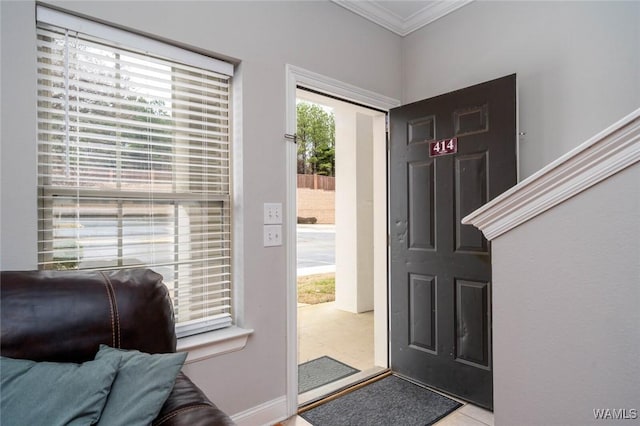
[[134, 169]]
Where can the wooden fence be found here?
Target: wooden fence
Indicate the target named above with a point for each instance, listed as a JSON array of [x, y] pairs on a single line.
[[327, 183]]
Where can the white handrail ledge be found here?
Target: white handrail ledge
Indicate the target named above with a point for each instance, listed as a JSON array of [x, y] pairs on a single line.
[[605, 154]]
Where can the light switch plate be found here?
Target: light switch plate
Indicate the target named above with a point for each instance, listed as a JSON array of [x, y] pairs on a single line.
[[272, 235], [272, 213]]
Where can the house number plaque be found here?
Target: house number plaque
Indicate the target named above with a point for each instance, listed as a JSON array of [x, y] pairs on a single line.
[[443, 147]]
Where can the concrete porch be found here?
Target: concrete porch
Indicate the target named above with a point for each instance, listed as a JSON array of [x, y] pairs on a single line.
[[324, 329]]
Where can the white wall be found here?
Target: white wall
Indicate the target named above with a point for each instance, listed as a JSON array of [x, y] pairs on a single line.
[[346, 243], [263, 36], [364, 206], [578, 65], [565, 309], [354, 209]]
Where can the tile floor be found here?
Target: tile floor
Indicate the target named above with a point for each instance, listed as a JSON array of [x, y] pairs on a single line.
[[325, 330]]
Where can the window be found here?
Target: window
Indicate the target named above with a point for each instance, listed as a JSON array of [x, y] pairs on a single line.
[[134, 162]]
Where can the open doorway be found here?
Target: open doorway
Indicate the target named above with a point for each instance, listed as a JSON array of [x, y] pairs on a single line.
[[341, 244], [299, 77]]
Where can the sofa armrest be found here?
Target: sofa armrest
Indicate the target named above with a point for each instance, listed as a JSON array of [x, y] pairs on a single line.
[[187, 405]]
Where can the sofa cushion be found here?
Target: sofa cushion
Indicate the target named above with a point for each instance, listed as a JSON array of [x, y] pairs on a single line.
[[142, 385], [39, 393], [127, 308], [188, 406]]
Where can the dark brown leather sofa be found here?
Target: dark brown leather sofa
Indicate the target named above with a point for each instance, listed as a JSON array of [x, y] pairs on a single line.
[[63, 316]]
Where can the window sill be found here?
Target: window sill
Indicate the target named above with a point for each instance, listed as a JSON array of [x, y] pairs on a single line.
[[213, 343]]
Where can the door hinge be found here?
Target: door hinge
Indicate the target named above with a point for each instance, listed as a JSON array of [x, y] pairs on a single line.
[[292, 137], [386, 125]]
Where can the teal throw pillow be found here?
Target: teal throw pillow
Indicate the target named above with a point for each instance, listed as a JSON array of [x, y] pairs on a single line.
[[52, 393], [143, 384]]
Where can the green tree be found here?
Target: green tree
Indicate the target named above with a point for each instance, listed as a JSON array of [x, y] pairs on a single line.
[[316, 140]]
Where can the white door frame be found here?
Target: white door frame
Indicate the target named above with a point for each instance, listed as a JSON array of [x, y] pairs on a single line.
[[296, 76]]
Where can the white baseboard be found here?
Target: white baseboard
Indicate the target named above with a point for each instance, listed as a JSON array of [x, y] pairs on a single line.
[[266, 414]]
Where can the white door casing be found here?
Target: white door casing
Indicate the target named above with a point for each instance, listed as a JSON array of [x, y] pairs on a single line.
[[296, 76]]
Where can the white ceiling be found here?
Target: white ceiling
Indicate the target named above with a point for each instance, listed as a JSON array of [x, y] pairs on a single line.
[[402, 17]]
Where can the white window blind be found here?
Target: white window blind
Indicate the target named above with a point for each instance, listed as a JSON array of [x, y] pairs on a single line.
[[134, 168]]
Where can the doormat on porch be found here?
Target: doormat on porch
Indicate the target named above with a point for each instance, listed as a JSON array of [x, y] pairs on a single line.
[[320, 371], [388, 401]]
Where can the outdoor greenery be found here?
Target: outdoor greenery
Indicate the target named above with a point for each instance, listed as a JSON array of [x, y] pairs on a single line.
[[316, 140], [319, 288]]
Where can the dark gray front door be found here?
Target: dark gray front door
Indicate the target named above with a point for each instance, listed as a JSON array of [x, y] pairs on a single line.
[[440, 292]]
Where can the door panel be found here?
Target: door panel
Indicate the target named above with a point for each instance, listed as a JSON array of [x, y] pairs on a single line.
[[470, 193], [421, 129], [421, 205], [440, 293], [422, 319], [473, 316]]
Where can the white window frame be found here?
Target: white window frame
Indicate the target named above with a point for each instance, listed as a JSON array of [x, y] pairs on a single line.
[[234, 337]]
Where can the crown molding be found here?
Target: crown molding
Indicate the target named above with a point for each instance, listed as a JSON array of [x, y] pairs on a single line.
[[397, 24], [604, 155], [431, 13]]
